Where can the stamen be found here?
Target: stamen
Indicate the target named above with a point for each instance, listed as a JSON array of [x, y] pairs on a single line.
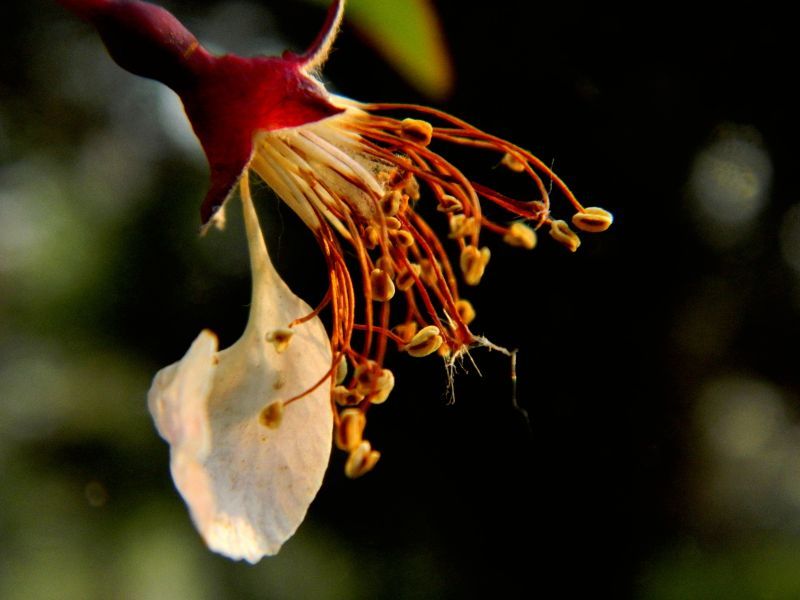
[[462, 226], [561, 233], [393, 203], [384, 263], [473, 263], [382, 286], [372, 237], [341, 371], [411, 188], [280, 181], [361, 460], [520, 235], [341, 161], [304, 178], [465, 311], [592, 220], [373, 382], [417, 130], [425, 342], [403, 238], [405, 331], [513, 163], [428, 272], [384, 384], [406, 278], [351, 427], [392, 223], [346, 397], [359, 174], [448, 204]]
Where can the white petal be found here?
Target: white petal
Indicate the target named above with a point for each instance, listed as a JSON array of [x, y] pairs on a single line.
[[248, 487]]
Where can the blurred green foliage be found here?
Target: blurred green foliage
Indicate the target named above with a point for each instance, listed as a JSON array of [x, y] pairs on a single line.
[[408, 35]]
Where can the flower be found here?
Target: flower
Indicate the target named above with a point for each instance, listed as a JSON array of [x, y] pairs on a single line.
[[364, 178]]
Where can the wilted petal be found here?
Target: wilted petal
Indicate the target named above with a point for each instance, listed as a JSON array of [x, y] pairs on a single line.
[[248, 486]]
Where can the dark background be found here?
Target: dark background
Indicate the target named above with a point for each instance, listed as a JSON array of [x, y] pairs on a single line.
[[658, 364]]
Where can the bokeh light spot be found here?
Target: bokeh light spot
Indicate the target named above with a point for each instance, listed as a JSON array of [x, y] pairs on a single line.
[[729, 184]]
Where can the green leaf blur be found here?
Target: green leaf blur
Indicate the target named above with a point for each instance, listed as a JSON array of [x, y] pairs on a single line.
[[408, 35]]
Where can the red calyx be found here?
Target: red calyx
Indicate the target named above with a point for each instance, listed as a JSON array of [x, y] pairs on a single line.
[[227, 98]]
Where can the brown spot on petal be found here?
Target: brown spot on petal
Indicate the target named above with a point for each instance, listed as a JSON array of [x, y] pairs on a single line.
[[280, 338], [271, 415], [280, 381]]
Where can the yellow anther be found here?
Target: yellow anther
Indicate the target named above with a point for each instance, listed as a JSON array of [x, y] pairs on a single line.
[[473, 263], [271, 415], [388, 176], [461, 226], [448, 204], [444, 350], [372, 236], [393, 223], [402, 237], [561, 233], [521, 236], [512, 162], [465, 311], [341, 371], [417, 130], [405, 331], [382, 286], [411, 188], [350, 430], [279, 338], [426, 341], [361, 460], [593, 219], [394, 202], [404, 280], [346, 397], [384, 384], [384, 263], [427, 271], [373, 382], [364, 376]]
